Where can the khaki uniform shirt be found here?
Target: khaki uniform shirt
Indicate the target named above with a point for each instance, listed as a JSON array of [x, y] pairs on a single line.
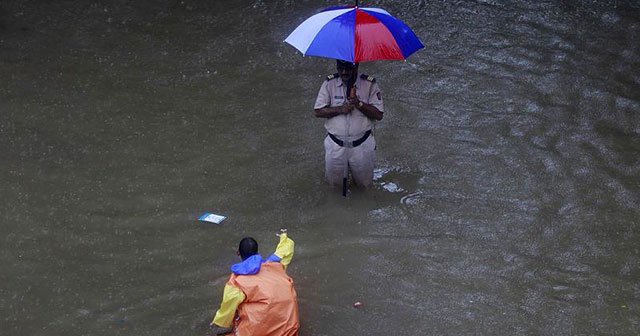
[[353, 125]]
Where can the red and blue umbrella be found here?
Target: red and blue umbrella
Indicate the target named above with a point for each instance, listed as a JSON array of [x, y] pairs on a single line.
[[355, 34]]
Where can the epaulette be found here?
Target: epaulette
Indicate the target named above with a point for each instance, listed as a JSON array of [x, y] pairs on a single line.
[[335, 75], [369, 78]]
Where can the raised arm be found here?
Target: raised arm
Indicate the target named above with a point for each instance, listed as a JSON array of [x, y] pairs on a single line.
[[284, 250]]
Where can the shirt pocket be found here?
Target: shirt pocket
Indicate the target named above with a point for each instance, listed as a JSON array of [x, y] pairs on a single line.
[[337, 100]]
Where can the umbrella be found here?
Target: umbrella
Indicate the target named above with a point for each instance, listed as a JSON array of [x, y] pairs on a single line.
[[354, 34]]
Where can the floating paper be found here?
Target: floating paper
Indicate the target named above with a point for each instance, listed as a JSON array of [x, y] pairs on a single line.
[[212, 218]]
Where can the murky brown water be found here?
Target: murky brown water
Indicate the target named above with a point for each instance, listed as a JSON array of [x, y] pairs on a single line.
[[506, 202]]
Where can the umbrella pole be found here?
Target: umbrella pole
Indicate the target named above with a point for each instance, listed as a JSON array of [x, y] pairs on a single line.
[[351, 92], [345, 172], [345, 179]]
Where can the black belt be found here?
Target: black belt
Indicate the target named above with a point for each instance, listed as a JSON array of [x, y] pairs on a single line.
[[349, 143]]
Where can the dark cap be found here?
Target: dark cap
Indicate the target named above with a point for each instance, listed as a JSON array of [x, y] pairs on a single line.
[[345, 64]]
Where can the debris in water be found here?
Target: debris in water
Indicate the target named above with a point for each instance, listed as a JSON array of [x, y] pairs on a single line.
[[212, 218]]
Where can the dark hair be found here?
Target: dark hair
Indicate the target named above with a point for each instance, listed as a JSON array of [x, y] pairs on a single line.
[[248, 247]]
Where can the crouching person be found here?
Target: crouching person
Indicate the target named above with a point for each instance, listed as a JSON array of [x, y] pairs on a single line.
[[259, 297]]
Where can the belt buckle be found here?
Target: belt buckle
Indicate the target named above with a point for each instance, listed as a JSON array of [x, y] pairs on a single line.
[[348, 144]]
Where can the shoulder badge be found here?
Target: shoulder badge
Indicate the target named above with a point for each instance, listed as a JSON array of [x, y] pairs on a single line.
[[335, 75], [369, 78]]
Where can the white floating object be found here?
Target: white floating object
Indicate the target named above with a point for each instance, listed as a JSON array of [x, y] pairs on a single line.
[[212, 218], [392, 187]]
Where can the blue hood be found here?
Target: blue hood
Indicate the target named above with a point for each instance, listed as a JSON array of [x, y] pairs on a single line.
[[252, 264], [248, 266]]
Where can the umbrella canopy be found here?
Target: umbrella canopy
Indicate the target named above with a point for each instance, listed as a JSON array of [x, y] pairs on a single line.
[[355, 34]]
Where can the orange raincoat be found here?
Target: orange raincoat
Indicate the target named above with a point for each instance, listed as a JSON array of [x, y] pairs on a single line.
[[259, 297]]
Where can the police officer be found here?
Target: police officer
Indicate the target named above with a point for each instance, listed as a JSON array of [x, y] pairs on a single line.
[[351, 104]]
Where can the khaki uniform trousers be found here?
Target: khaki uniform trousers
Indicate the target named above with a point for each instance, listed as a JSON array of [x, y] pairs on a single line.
[[361, 161]]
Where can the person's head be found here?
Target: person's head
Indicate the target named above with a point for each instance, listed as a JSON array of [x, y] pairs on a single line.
[[248, 247], [347, 70]]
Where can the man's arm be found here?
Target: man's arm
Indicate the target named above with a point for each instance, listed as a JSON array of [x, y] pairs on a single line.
[[374, 109], [223, 320], [284, 250], [369, 110], [330, 112]]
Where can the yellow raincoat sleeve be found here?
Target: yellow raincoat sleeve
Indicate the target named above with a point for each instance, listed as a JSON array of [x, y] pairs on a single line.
[[284, 250], [231, 299]]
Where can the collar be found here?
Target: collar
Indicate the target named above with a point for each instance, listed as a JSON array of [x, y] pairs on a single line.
[[354, 84]]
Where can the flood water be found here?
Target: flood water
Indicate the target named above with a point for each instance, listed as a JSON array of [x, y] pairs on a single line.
[[507, 190]]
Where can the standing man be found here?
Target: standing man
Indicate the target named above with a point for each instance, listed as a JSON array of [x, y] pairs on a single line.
[[351, 104], [259, 298]]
